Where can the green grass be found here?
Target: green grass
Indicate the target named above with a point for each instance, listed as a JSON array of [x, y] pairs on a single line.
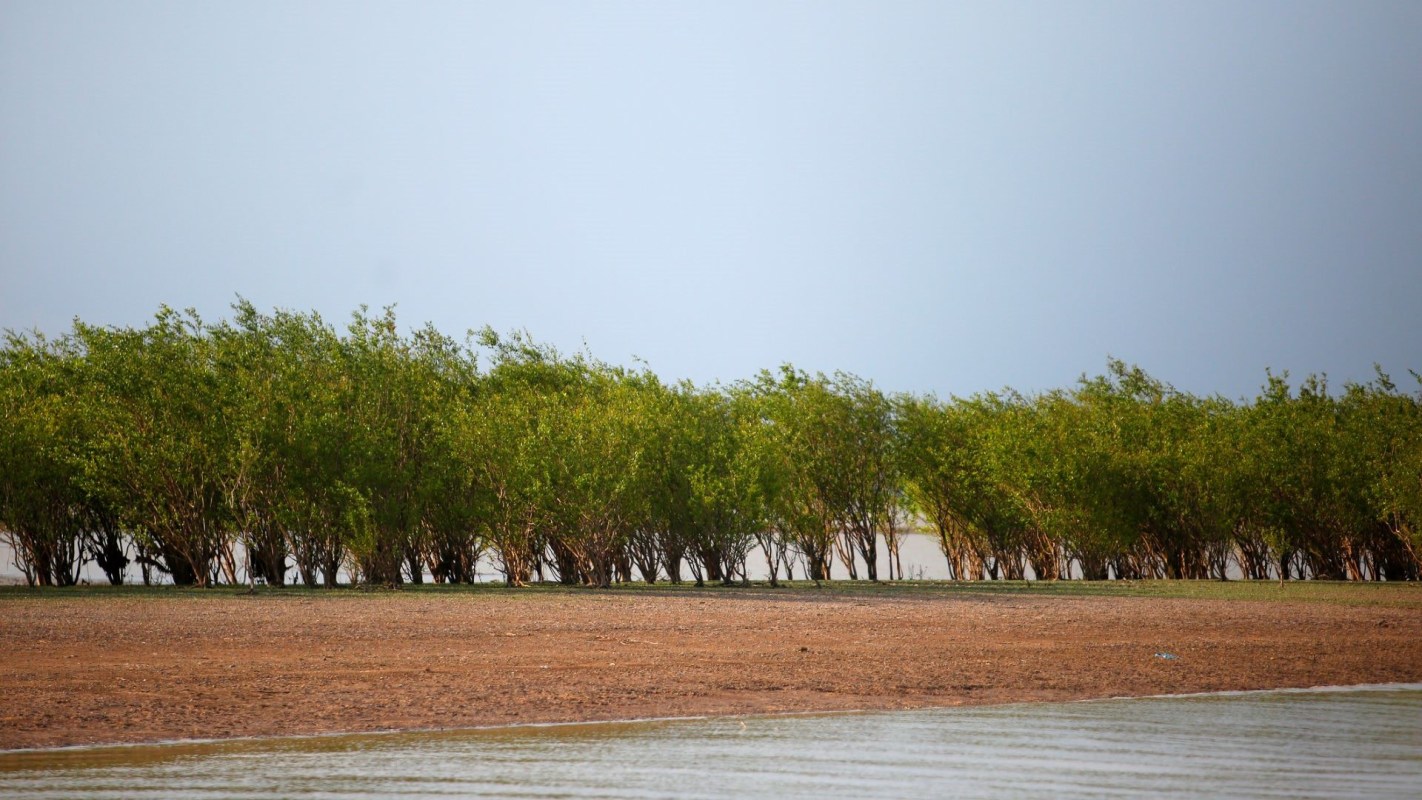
[[1407, 595]]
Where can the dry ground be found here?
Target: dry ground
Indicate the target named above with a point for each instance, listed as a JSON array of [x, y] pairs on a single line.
[[144, 666]]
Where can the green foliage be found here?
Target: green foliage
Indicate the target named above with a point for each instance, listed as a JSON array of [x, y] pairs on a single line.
[[158, 448], [45, 511], [214, 452]]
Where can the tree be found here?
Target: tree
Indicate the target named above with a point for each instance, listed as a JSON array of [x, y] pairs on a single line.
[[156, 459], [45, 513]]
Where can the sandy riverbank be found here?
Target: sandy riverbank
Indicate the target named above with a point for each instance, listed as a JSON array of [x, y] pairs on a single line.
[[143, 667]]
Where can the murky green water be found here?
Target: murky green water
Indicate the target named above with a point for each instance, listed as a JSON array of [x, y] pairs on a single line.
[[1364, 742]]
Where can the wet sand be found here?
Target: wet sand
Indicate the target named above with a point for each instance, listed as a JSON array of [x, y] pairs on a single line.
[[149, 667]]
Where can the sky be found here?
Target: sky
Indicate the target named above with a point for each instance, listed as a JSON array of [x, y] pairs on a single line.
[[941, 197]]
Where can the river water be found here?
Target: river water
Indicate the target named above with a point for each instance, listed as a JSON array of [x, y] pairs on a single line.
[[1347, 742]]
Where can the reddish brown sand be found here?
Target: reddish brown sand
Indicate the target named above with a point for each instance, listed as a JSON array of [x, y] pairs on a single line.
[[141, 668]]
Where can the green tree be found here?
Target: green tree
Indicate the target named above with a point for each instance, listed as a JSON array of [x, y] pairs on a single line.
[[45, 512], [156, 459]]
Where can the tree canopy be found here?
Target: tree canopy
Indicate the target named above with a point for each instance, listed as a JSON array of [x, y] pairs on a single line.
[[275, 447]]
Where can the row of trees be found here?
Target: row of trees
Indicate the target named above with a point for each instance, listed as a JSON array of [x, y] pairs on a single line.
[[246, 449]]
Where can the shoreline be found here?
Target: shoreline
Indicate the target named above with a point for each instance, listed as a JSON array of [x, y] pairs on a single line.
[[98, 671], [516, 727]]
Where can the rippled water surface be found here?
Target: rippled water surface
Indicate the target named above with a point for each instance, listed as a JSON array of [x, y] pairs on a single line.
[[1363, 742]]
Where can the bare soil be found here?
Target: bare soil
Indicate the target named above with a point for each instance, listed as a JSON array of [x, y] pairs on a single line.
[[131, 668]]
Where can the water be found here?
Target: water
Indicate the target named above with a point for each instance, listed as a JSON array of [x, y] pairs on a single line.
[[1362, 742]]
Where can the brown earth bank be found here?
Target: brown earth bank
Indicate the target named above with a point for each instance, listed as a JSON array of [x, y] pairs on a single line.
[[146, 667]]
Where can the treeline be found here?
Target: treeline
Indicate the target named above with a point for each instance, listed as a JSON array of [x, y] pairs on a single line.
[[243, 450]]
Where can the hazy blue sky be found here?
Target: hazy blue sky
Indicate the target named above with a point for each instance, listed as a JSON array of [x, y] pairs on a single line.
[[937, 196]]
